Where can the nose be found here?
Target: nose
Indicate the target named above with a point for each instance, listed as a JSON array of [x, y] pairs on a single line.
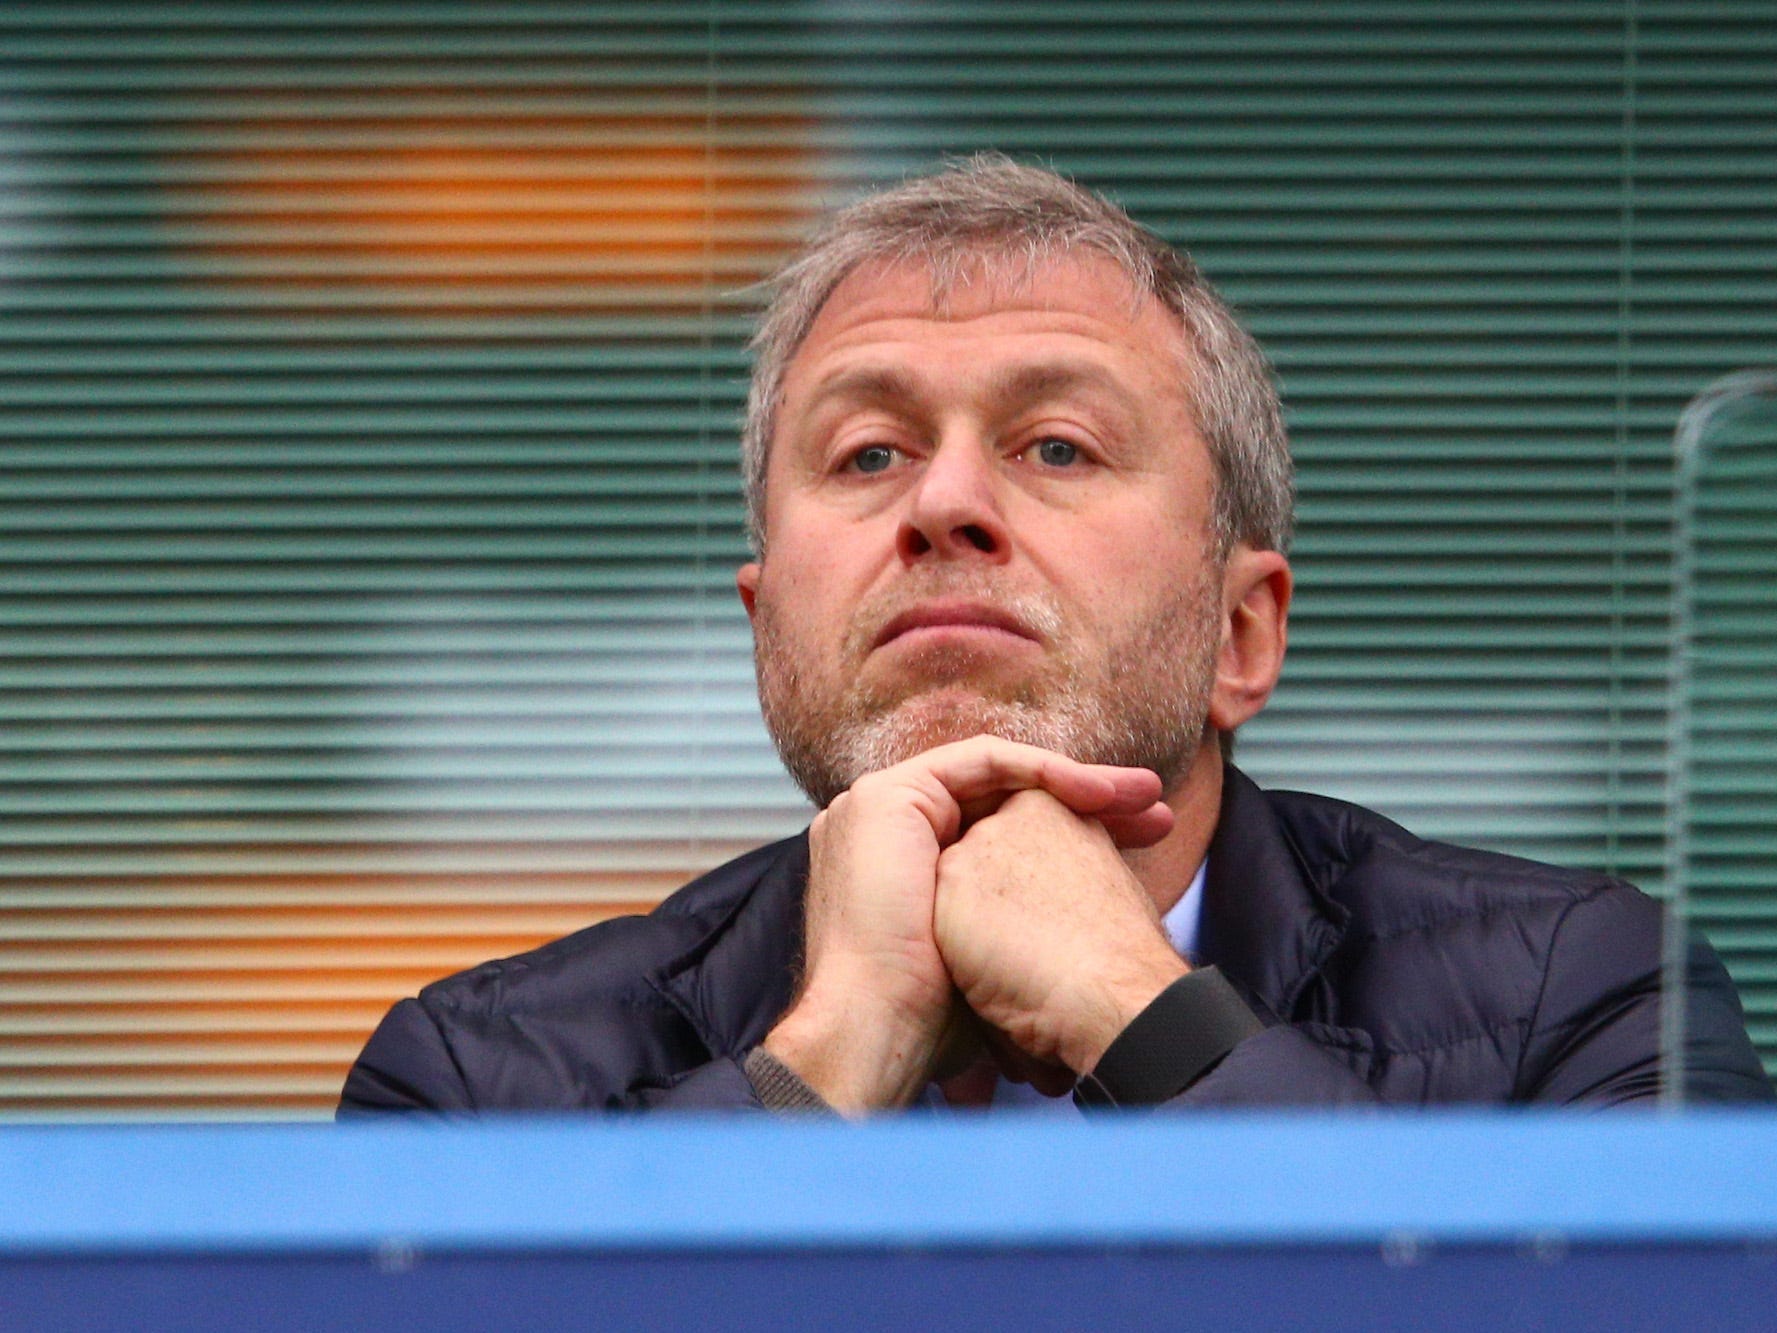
[[953, 511]]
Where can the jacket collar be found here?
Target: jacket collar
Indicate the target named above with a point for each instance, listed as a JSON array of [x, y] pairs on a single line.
[[1266, 923]]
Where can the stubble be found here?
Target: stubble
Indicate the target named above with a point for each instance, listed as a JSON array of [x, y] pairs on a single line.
[[1136, 696]]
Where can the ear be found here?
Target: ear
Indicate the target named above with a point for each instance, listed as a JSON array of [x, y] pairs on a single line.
[[1256, 589], [746, 581]]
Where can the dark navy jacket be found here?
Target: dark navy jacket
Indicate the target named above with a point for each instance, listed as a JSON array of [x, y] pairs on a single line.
[[1386, 968]]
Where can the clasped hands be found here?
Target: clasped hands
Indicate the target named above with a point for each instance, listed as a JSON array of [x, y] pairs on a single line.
[[973, 901]]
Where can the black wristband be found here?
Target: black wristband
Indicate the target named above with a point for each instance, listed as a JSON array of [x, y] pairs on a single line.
[[1171, 1044]]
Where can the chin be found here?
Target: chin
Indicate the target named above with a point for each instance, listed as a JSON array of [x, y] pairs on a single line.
[[938, 717], [956, 671]]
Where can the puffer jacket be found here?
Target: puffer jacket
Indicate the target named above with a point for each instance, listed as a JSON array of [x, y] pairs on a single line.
[[1386, 969]]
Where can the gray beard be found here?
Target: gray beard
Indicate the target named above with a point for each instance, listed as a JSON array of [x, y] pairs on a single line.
[[1140, 702]]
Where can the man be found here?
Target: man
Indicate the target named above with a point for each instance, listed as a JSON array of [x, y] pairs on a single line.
[[1021, 497]]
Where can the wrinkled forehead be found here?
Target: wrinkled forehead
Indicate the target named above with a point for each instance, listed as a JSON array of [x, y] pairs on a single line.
[[963, 279], [1080, 293], [1077, 306]]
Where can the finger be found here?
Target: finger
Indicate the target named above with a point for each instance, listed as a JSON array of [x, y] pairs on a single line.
[[1143, 829], [1052, 1080], [973, 1086], [980, 808], [1138, 820], [963, 1043], [986, 765], [1135, 790], [1019, 1066]]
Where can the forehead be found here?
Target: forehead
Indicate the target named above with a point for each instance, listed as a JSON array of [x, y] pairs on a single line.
[[1082, 298]]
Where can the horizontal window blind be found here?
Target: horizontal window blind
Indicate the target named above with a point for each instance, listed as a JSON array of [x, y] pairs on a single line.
[[370, 517], [368, 500]]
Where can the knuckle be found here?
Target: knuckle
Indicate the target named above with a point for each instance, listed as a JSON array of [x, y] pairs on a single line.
[[863, 786]]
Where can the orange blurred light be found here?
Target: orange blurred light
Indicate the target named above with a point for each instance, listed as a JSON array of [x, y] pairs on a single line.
[[505, 212]]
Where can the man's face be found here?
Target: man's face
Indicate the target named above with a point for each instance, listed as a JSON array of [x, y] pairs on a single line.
[[992, 515]]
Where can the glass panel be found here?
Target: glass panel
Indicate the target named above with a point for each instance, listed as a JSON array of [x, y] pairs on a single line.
[[368, 506], [1723, 847]]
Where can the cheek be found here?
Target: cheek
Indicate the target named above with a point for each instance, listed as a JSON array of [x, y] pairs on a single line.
[[1164, 545], [799, 604], [823, 569], [1139, 563], [796, 591], [797, 533]]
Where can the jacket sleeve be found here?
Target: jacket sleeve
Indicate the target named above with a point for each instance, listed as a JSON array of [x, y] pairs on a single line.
[[1201, 1038], [1592, 1039], [1281, 1066], [720, 1085], [412, 1063], [1595, 1037], [405, 1066]]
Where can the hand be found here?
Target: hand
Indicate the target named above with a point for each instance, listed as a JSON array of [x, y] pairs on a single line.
[[877, 1007], [1047, 934]]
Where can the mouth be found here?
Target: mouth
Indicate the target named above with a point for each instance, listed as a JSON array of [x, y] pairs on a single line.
[[944, 619]]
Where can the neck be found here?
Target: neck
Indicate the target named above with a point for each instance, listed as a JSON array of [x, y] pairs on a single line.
[[1166, 868]]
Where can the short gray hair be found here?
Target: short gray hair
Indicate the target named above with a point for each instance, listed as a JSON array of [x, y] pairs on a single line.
[[990, 207]]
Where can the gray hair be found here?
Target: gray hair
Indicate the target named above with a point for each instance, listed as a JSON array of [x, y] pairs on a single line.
[[989, 207]]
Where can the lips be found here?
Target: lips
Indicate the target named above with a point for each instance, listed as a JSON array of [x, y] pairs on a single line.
[[953, 615]]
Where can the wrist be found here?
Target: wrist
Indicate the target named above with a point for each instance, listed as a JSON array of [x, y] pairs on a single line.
[[856, 1056], [1116, 1002], [1170, 1045]]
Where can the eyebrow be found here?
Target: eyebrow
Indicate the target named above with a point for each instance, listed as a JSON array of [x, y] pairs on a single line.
[[865, 384], [886, 384], [1048, 379]]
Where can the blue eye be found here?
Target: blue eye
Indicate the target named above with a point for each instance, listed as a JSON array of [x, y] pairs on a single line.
[[873, 458], [1057, 453]]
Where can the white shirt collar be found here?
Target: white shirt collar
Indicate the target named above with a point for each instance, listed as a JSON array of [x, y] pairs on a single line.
[[1184, 921]]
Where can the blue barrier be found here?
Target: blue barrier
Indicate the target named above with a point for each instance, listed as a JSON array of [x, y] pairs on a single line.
[[1452, 1221]]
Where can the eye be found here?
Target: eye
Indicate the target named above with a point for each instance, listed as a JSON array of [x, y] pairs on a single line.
[[873, 458], [1053, 452]]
